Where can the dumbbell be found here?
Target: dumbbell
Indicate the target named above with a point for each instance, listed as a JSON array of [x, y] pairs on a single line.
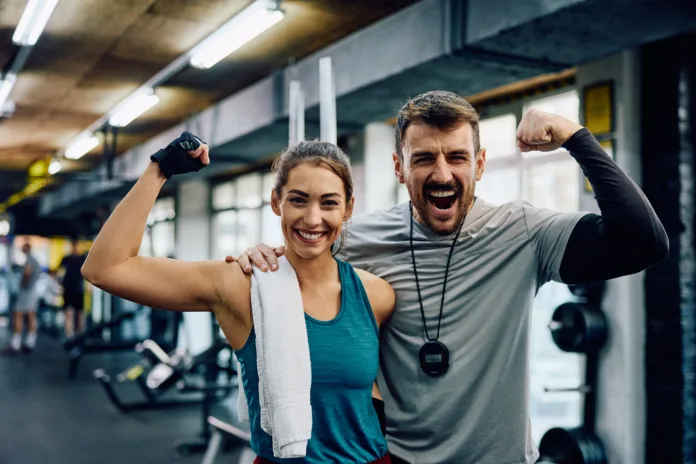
[[571, 446], [578, 328]]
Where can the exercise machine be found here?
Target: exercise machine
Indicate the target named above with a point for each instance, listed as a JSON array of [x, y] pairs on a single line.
[[228, 437], [105, 337], [159, 372], [93, 340], [579, 327], [213, 388]]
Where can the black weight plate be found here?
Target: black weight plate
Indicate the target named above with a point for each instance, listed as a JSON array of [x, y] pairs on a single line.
[[572, 446], [578, 328]]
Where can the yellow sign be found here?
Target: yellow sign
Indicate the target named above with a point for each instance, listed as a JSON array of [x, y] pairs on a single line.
[[38, 178], [599, 108], [39, 168]]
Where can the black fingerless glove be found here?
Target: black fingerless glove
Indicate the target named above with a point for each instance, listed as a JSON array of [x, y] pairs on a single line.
[[175, 158]]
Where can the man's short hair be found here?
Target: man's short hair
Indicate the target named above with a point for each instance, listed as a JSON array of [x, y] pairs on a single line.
[[441, 109]]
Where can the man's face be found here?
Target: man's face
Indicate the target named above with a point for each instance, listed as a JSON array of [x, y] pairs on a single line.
[[440, 170], [26, 249]]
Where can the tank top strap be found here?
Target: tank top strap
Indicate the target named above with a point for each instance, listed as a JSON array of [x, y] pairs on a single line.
[[358, 307]]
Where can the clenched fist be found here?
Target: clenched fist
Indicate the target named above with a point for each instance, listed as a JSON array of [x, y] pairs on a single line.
[[542, 131], [186, 154]]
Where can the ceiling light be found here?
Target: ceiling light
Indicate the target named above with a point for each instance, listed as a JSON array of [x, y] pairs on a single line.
[[133, 107], [6, 86], [54, 167], [82, 145], [33, 21], [239, 30]]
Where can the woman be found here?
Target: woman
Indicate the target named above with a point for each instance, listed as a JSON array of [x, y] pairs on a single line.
[[313, 195]]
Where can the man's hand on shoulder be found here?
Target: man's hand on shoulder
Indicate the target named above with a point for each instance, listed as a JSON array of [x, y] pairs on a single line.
[[542, 131], [380, 293], [261, 256]]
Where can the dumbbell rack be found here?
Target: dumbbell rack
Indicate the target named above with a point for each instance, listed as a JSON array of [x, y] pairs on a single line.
[[579, 327]]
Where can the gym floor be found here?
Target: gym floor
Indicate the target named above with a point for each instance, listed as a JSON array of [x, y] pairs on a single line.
[[49, 419]]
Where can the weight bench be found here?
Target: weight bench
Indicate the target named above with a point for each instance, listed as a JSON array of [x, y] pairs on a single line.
[[223, 431]]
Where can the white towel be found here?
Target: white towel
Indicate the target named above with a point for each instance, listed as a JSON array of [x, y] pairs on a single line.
[[282, 359]]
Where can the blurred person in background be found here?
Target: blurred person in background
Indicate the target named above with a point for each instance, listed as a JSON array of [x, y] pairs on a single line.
[[73, 290], [27, 303]]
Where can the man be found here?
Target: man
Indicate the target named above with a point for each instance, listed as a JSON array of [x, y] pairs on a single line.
[[26, 305], [454, 356], [73, 290]]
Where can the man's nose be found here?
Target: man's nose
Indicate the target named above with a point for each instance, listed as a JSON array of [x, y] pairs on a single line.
[[442, 171]]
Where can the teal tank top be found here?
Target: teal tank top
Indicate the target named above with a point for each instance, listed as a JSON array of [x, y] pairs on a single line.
[[344, 355]]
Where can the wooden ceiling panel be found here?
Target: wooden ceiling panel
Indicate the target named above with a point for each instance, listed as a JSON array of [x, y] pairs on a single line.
[[95, 18], [96, 100], [45, 90], [214, 12], [111, 70], [42, 134], [171, 28], [10, 12]]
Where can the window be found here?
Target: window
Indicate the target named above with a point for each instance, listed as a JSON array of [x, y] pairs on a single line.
[[239, 213], [225, 233], [159, 238], [163, 239], [497, 136], [553, 185], [271, 233], [268, 183], [565, 104], [500, 185], [248, 227], [249, 191], [402, 194], [224, 195]]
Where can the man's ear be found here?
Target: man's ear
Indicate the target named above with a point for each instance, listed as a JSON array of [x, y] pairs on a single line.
[[398, 168], [480, 163], [275, 203]]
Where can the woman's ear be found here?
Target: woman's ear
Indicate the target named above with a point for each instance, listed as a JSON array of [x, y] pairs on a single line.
[[275, 203], [349, 209]]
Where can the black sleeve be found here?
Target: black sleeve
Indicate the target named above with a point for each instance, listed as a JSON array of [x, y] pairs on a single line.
[[379, 409], [627, 237]]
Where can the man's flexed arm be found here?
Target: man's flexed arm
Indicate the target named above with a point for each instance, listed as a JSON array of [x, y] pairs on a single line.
[[628, 236]]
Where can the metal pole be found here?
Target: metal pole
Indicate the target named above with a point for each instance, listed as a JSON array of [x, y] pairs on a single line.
[[327, 101], [296, 113]]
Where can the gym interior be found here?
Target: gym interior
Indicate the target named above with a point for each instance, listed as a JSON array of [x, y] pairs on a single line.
[[90, 90]]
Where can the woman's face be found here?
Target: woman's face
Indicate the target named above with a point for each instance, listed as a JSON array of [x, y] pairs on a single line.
[[312, 209]]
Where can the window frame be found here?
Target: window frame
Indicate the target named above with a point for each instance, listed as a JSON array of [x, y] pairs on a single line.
[[263, 173]]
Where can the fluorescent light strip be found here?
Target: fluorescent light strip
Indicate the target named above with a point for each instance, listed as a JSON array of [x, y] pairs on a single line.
[[6, 86], [82, 145], [239, 30], [33, 21], [133, 107], [54, 167]]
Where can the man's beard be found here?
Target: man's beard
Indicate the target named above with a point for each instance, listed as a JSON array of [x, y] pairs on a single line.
[[464, 198]]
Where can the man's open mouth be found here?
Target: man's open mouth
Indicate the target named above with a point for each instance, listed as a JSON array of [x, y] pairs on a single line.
[[442, 199]]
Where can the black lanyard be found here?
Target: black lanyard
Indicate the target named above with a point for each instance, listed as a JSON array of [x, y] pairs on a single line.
[[434, 355]]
